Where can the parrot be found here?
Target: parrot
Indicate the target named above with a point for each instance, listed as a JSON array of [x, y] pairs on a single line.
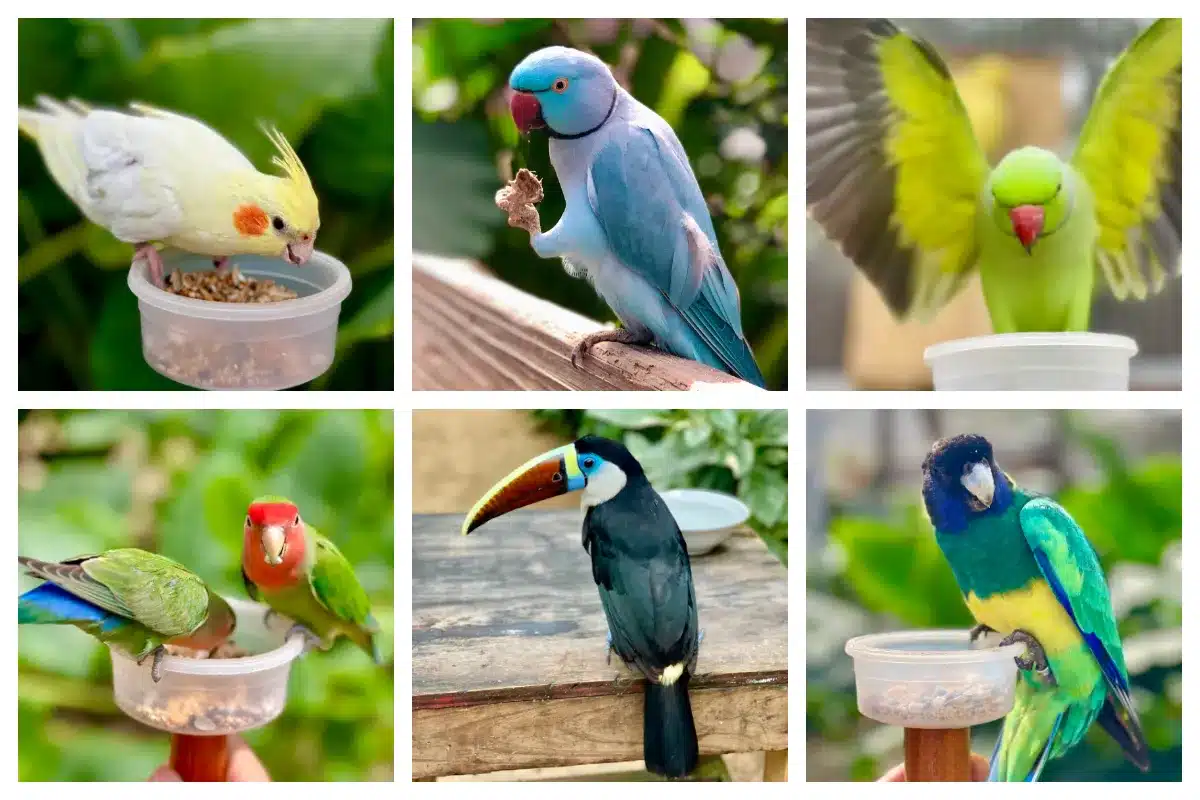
[[128, 599], [641, 569], [898, 180], [636, 223], [1028, 572], [301, 575], [155, 176]]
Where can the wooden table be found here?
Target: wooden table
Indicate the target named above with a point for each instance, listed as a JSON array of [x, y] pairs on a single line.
[[509, 644]]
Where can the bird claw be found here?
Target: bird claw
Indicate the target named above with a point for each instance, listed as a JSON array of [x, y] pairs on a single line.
[[979, 630], [608, 648], [1034, 660], [311, 640], [159, 653]]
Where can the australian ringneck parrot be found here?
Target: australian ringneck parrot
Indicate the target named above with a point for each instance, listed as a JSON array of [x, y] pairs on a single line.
[[641, 568], [1028, 572], [300, 574], [636, 223], [128, 599], [897, 179]]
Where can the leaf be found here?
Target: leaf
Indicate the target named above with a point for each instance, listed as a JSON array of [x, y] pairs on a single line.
[[765, 492], [769, 428], [454, 183], [375, 320], [742, 458], [630, 420]]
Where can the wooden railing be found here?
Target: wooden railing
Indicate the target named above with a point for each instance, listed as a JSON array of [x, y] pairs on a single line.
[[472, 331]]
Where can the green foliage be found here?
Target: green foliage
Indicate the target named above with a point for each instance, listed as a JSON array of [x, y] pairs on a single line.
[[462, 130], [328, 85], [743, 453], [178, 483]]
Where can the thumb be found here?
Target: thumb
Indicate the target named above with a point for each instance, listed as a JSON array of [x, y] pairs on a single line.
[[165, 774]]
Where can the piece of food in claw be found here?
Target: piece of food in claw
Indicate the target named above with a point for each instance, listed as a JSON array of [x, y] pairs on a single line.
[[519, 199]]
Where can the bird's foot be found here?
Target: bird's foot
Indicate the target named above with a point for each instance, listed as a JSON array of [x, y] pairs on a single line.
[[979, 630], [621, 335], [311, 640], [149, 253], [608, 648], [1034, 660], [220, 263], [159, 653]]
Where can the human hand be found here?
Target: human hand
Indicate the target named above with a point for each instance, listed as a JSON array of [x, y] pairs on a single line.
[[979, 771], [244, 766]]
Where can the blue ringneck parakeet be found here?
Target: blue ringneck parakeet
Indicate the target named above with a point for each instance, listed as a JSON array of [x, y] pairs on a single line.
[[636, 224], [1028, 572]]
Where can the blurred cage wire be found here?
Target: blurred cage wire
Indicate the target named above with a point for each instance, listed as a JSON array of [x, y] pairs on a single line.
[[1087, 48]]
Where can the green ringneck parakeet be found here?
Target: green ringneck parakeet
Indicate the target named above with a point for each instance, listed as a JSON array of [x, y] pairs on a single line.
[[303, 576], [128, 599], [1028, 572], [897, 179]]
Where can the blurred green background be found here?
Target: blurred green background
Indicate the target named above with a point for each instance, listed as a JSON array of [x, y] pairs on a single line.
[[326, 84], [721, 84], [178, 483], [874, 565]]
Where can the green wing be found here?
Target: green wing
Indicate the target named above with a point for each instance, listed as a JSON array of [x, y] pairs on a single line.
[[894, 169], [154, 590], [1130, 153], [335, 585]]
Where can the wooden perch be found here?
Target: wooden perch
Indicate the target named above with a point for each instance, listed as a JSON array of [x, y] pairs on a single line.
[[472, 331]]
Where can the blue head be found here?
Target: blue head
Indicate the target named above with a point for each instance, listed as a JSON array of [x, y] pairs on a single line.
[[567, 92], [962, 481]]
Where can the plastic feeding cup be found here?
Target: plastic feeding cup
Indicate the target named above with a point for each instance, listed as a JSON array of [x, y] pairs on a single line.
[[935, 687], [705, 518], [214, 345], [1071, 361], [201, 701]]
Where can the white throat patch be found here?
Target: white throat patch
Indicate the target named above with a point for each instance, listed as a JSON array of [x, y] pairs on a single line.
[[603, 485]]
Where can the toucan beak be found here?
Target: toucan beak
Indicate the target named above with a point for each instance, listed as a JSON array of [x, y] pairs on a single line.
[[548, 475], [980, 483], [274, 540]]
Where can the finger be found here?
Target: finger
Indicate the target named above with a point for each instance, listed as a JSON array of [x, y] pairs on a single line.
[[896, 774], [164, 774], [979, 767], [244, 766]]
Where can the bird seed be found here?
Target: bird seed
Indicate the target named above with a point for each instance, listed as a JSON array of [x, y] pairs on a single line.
[[929, 704], [227, 286]]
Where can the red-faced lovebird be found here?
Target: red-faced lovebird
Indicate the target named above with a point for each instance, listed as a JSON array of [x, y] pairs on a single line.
[[1028, 572], [636, 224], [128, 599], [303, 576]]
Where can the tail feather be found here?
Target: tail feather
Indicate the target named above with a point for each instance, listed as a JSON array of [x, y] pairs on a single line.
[[56, 128], [1127, 732], [1036, 772], [50, 605], [670, 747]]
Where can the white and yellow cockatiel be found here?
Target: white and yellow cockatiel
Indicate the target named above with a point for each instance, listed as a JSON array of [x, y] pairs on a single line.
[[156, 177]]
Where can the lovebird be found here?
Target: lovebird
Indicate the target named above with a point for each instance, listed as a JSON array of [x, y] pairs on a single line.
[[1028, 572], [303, 576], [898, 181], [154, 176], [128, 599], [636, 224]]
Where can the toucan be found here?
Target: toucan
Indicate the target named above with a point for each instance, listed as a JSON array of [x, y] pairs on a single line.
[[641, 568]]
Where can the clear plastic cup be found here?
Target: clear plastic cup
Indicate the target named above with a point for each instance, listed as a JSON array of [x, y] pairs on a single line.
[[932, 679], [213, 697], [211, 345], [1037, 361]]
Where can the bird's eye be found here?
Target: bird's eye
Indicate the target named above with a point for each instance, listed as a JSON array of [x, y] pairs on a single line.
[[296, 521], [248, 522], [560, 85], [588, 463], [557, 477], [278, 223]]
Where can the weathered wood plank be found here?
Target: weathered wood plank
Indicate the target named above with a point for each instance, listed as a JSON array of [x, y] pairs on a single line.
[[474, 332]]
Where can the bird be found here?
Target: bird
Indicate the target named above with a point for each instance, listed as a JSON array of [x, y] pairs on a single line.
[[129, 599], [641, 569], [897, 179], [1028, 572], [155, 176], [636, 224]]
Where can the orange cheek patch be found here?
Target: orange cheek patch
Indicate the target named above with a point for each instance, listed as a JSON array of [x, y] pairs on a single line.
[[250, 220]]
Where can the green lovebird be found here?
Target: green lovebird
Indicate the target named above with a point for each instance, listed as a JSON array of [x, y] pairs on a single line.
[[897, 179], [128, 599], [1028, 572], [303, 576]]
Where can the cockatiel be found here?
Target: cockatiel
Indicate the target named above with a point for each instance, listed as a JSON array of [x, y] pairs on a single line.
[[155, 176], [303, 576], [897, 179], [1028, 572], [636, 223], [128, 599]]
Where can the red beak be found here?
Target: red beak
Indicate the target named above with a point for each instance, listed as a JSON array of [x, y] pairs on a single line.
[[1027, 224], [526, 112]]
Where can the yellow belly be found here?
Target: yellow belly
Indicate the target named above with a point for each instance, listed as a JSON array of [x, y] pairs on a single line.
[[1033, 609]]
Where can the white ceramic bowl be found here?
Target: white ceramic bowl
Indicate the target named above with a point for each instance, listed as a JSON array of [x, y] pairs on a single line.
[[1033, 361], [213, 697], [210, 345], [705, 518], [932, 679]]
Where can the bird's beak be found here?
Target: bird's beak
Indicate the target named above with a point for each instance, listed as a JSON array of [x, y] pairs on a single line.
[[548, 475], [299, 251], [980, 483], [1027, 222], [526, 111], [274, 542]]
